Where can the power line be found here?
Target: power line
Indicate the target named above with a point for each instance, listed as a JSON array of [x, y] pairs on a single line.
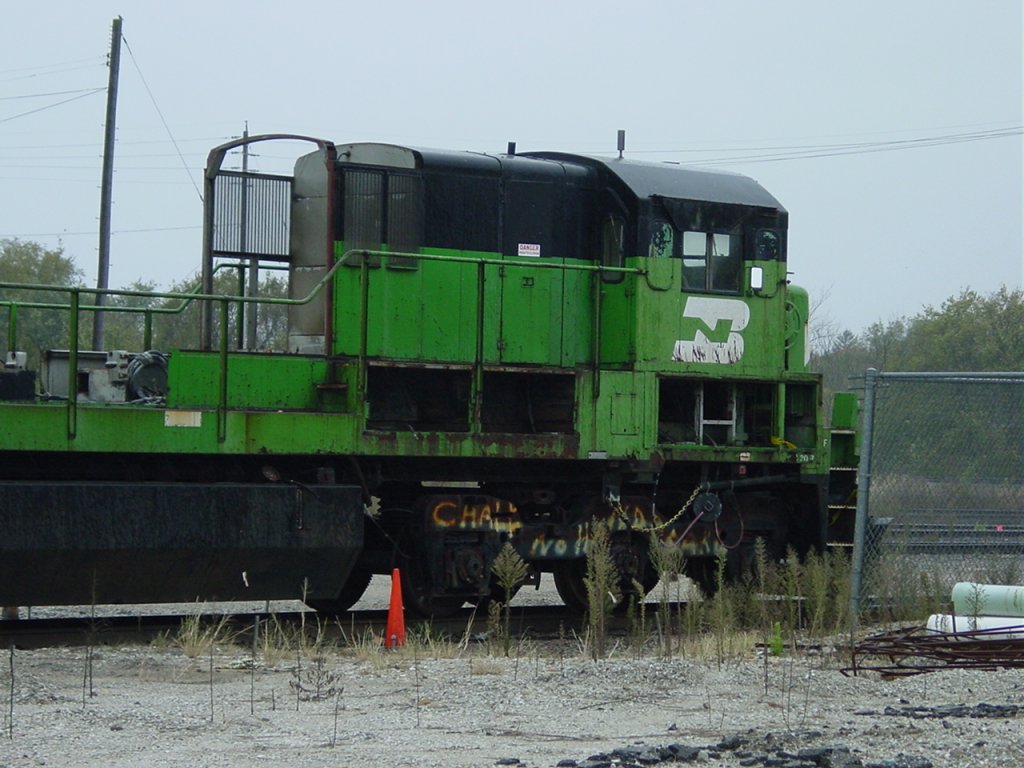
[[69, 180], [121, 142], [91, 59], [812, 151], [136, 156], [40, 95], [162, 120], [51, 106], [93, 232], [46, 74]]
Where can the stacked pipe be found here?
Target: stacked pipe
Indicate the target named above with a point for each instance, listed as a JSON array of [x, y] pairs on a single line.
[[986, 608]]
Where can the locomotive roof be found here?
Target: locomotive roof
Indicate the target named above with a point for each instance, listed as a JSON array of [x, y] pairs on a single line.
[[643, 179], [646, 179]]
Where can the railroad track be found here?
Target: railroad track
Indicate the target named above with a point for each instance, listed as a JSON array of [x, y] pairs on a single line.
[[536, 621]]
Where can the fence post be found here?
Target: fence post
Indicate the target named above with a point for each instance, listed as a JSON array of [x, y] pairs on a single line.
[[863, 490]]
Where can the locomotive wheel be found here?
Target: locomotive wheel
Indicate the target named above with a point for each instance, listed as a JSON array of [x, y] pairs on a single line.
[[418, 600], [629, 552], [569, 580], [703, 572], [417, 595], [497, 595], [354, 588]]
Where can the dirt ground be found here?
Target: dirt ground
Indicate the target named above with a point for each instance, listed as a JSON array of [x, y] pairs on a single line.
[[438, 704]]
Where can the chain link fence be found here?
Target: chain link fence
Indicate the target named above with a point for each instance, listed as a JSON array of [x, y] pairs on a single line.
[[940, 492]]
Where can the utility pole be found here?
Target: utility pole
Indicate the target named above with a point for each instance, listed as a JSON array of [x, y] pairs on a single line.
[[103, 273]]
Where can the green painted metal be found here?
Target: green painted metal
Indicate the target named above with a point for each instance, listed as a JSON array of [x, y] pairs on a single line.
[[435, 313], [445, 364], [453, 308]]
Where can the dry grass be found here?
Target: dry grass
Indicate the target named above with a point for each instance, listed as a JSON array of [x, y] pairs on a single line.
[[199, 635]]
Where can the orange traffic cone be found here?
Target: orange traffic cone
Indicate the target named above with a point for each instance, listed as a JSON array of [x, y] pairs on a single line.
[[395, 635]]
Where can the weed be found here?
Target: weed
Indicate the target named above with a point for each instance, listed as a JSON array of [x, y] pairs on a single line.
[[791, 579], [511, 571], [669, 562], [198, 635], [722, 611], [366, 646], [602, 582], [317, 682], [636, 616], [273, 643], [776, 644], [818, 580], [437, 645]]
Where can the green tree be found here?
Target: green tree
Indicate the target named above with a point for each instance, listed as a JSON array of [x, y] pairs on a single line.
[[39, 329], [126, 330], [181, 330], [969, 332], [29, 262]]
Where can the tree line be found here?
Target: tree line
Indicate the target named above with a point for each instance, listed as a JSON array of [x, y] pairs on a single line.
[[970, 331], [38, 328]]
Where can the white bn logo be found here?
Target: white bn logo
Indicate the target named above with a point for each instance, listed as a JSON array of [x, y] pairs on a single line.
[[710, 312]]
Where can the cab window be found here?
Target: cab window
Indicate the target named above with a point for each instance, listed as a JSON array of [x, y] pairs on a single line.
[[712, 261]]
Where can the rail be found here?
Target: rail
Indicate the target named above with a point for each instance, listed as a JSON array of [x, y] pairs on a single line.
[[930, 530]]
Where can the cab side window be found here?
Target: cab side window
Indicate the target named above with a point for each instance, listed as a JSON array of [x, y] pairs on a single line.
[[695, 252], [725, 263], [712, 261]]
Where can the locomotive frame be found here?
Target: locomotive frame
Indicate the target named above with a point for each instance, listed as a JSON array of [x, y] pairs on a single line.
[[483, 349]]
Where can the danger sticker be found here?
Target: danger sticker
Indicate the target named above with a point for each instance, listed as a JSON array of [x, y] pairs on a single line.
[[529, 249]]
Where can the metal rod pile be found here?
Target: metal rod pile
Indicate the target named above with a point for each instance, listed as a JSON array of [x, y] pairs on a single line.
[[911, 651]]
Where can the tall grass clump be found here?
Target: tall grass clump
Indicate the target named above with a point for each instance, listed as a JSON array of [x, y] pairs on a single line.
[[510, 571], [199, 635], [636, 617], [723, 613], [603, 593], [669, 562]]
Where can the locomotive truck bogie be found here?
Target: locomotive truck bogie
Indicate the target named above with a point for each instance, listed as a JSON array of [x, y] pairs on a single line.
[[502, 350]]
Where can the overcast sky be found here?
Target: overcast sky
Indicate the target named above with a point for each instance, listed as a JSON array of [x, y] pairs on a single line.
[[891, 131]]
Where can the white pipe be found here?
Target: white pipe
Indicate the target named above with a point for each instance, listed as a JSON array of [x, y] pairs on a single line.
[[944, 622], [988, 600]]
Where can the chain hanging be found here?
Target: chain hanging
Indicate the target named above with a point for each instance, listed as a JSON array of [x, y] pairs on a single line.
[[621, 513]]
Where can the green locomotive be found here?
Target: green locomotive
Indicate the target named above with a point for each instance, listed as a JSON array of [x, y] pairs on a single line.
[[481, 349]]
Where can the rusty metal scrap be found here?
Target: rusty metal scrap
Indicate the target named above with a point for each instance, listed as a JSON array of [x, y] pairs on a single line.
[[913, 650]]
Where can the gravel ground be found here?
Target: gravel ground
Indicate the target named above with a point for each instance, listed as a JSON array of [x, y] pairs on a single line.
[[152, 705], [155, 706]]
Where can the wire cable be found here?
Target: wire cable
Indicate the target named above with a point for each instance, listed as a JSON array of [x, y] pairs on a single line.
[[90, 60], [162, 120], [50, 72], [40, 95], [93, 232], [51, 106], [812, 151]]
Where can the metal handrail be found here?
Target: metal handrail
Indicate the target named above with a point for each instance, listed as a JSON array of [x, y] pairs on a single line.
[[347, 259]]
